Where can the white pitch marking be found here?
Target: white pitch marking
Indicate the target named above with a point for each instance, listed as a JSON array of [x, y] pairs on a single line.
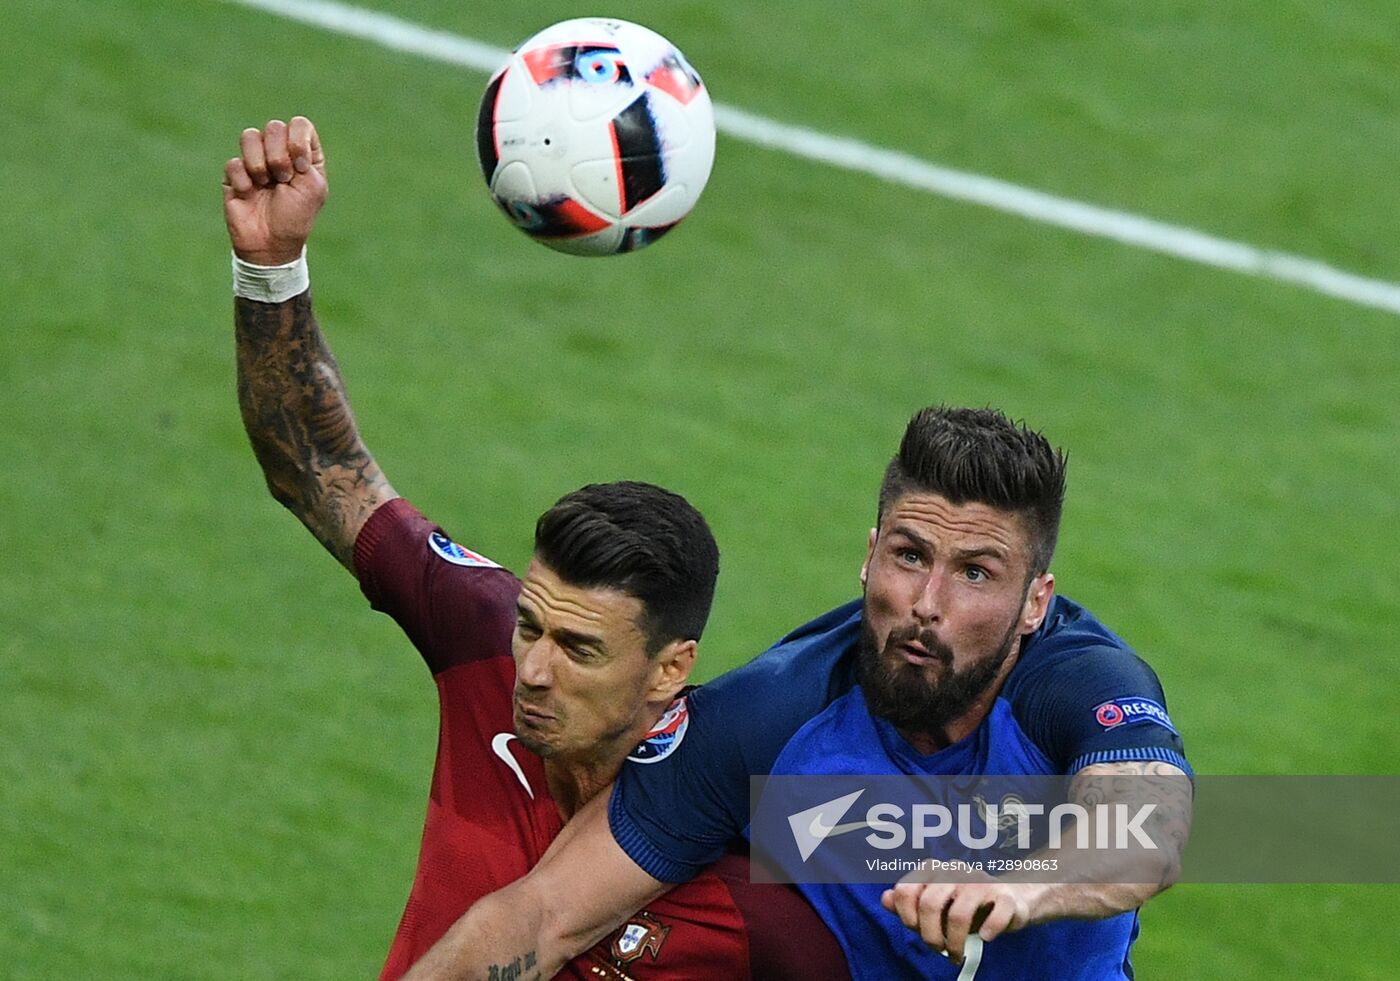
[[892, 166], [387, 31]]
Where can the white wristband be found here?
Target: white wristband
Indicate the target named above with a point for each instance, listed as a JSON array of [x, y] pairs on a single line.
[[271, 284]]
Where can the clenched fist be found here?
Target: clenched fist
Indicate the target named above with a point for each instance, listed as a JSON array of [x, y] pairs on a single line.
[[273, 191]]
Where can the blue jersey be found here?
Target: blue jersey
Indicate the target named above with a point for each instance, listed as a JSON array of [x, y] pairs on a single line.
[[1076, 696]]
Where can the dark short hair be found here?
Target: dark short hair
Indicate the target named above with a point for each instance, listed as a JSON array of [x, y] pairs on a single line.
[[980, 455], [641, 540]]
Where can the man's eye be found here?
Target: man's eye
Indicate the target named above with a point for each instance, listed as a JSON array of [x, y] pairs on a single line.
[[526, 629], [975, 573]]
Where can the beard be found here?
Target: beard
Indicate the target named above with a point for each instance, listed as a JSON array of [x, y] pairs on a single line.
[[899, 692]]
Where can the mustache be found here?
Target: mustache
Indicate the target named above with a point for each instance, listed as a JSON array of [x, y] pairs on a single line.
[[538, 705], [925, 638]]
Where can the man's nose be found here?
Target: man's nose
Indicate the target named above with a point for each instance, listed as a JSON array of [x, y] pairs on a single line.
[[928, 604], [536, 667]]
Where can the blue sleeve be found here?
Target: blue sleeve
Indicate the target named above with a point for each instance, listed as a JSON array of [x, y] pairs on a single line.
[[675, 812], [1098, 704]]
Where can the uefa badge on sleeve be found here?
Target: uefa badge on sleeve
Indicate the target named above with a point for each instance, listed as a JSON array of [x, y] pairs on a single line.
[[665, 736], [447, 549], [1122, 711]]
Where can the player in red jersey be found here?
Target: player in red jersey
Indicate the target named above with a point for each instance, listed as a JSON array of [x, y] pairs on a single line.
[[545, 686]]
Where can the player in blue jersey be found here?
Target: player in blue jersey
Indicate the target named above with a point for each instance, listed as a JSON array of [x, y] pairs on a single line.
[[959, 659]]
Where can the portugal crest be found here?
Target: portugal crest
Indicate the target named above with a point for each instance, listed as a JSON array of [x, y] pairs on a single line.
[[642, 934]]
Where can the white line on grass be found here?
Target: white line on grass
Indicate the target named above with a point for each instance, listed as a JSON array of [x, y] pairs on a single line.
[[892, 166]]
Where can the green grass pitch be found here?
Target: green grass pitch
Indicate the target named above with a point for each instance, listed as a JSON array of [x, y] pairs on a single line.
[[215, 757]]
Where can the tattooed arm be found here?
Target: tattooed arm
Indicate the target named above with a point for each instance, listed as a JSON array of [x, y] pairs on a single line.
[[1089, 884], [1110, 881], [292, 398], [298, 419]]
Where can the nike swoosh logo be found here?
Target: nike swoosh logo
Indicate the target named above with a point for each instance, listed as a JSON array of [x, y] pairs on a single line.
[[820, 830], [500, 745]]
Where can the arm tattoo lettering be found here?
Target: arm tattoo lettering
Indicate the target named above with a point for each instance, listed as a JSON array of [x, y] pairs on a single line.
[[515, 970], [298, 418]]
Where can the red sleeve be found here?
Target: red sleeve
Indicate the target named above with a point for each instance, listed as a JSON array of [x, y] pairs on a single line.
[[787, 939], [456, 606]]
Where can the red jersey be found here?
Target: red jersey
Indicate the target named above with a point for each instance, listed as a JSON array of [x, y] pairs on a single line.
[[490, 816]]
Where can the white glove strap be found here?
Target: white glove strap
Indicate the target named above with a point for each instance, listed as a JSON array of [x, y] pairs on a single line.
[[271, 284]]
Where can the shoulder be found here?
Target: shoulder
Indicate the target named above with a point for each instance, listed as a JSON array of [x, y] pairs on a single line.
[[1071, 644], [673, 810], [398, 530], [1070, 627], [399, 543], [455, 604], [1082, 694], [791, 681]]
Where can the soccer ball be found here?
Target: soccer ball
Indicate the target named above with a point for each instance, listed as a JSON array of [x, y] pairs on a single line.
[[596, 137]]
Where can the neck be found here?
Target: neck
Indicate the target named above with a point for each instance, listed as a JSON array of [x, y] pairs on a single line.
[[575, 780], [931, 741], [573, 784]]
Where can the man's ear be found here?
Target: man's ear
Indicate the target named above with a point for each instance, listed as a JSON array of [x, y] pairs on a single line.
[[869, 554], [671, 669], [1042, 590]]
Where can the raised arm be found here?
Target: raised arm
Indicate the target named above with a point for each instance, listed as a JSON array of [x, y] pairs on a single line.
[[290, 391]]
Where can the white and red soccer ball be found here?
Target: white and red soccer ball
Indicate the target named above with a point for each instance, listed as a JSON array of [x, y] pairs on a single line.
[[596, 137]]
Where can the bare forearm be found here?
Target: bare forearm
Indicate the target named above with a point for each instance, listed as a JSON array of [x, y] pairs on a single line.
[[1100, 883], [583, 888], [1092, 883], [492, 940], [299, 422], [1084, 901]]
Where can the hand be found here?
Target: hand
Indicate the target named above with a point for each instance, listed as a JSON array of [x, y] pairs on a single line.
[[273, 191], [945, 913]]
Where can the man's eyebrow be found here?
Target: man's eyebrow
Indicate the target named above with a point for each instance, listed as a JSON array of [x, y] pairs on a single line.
[[982, 552], [576, 639], [963, 554], [913, 536]]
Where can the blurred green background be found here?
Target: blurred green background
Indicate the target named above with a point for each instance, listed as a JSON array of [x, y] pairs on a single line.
[[215, 757]]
